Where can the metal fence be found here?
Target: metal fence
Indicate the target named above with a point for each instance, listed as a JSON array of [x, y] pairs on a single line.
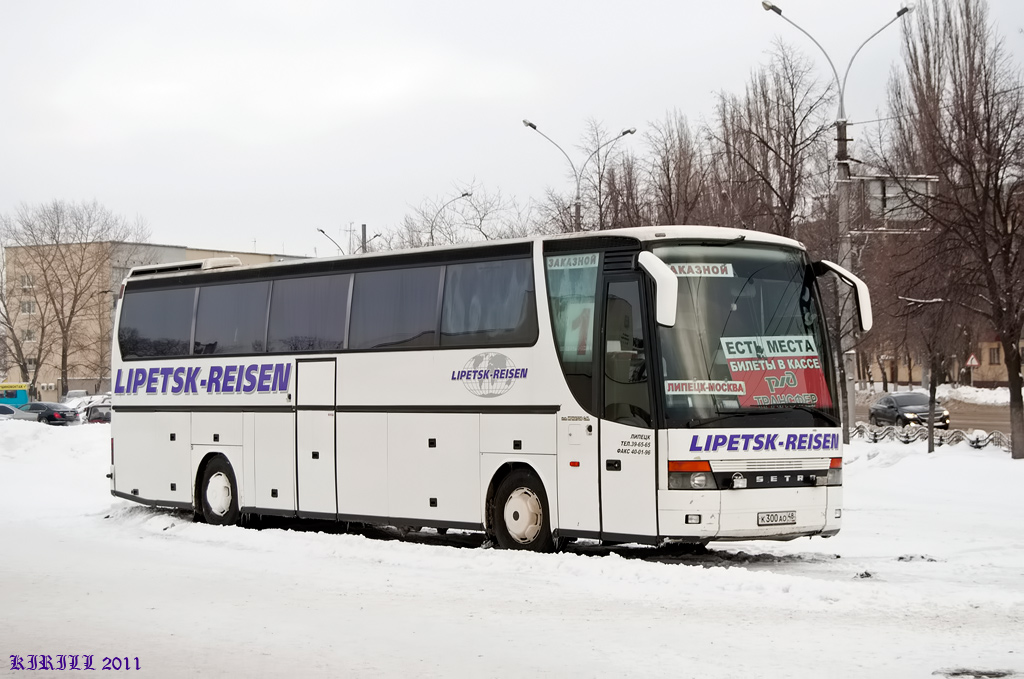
[[873, 434]]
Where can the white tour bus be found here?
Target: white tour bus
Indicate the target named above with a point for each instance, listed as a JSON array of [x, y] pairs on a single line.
[[631, 385]]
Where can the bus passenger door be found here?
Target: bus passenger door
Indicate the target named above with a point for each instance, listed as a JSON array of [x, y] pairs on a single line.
[[628, 452], [315, 394]]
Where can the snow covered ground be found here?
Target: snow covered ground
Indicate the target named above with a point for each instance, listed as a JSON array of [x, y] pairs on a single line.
[[925, 579]]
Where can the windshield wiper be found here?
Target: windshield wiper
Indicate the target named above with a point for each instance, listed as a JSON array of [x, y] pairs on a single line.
[[741, 412], [831, 419], [701, 421]]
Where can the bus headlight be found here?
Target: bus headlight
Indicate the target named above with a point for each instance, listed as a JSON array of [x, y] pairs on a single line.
[[690, 475], [691, 481]]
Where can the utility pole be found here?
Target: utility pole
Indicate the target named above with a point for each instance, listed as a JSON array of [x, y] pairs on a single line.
[[848, 362]]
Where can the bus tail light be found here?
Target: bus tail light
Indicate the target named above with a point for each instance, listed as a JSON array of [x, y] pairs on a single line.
[[835, 472], [690, 475]]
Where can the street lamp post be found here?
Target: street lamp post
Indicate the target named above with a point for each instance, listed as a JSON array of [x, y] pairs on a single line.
[[364, 242], [361, 248], [847, 365], [340, 251], [464, 194], [577, 225]]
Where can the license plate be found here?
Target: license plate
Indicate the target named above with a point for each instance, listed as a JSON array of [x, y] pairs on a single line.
[[776, 518]]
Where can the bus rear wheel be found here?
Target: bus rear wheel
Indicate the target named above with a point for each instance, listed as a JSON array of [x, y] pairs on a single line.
[[520, 513], [219, 493]]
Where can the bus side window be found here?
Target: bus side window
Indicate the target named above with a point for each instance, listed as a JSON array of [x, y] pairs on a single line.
[[232, 318], [488, 304], [395, 308]]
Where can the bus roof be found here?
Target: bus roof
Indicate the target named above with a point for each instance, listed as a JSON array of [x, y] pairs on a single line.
[[642, 234], [646, 234]]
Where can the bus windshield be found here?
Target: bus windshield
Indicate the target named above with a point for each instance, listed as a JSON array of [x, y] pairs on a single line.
[[749, 339]]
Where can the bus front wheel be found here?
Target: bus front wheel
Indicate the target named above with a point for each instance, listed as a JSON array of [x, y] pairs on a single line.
[[520, 517], [219, 493]]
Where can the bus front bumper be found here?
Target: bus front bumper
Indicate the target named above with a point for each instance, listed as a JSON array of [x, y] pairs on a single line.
[[750, 514]]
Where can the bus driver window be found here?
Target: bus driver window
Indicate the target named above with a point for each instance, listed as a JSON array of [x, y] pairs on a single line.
[[626, 393]]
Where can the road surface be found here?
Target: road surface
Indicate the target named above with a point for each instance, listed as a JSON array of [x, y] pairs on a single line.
[[965, 416]]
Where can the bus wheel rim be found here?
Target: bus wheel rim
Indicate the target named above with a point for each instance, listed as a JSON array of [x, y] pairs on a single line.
[[218, 494], [524, 515]]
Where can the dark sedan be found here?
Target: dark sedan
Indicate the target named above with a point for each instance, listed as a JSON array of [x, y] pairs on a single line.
[[906, 409], [50, 413]]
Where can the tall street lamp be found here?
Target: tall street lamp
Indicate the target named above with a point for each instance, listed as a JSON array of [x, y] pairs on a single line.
[[360, 248], [464, 194], [340, 251], [846, 367], [577, 224]]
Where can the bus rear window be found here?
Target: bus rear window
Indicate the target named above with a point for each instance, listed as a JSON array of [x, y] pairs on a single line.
[[156, 323]]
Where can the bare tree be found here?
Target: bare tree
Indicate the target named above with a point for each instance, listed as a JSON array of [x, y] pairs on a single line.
[[766, 139], [25, 317], [601, 154], [680, 170], [67, 252], [929, 303], [628, 201], [471, 213], [957, 110], [556, 213]]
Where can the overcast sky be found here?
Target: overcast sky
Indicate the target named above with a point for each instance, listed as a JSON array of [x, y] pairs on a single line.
[[228, 123]]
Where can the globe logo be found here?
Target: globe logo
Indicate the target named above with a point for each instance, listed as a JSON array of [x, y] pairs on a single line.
[[499, 373]]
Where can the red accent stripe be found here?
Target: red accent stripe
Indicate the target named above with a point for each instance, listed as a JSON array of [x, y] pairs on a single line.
[[689, 466]]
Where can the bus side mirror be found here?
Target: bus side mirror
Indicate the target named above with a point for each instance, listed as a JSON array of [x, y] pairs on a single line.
[[860, 290], [666, 288]]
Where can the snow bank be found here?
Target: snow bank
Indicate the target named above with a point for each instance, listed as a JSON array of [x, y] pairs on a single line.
[[1000, 396]]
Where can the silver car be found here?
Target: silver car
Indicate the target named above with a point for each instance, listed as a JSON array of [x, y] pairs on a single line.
[[7, 412], [17, 413]]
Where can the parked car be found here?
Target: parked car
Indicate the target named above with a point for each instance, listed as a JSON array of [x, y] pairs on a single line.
[[906, 409], [98, 413], [7, 412], [74, 393], [21, 414], [78, 404], [81, 404], [50, 413]]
